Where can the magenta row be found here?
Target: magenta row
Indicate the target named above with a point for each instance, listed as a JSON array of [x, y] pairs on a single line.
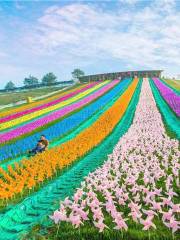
[[172, 99], [45, 105], [29, 127]]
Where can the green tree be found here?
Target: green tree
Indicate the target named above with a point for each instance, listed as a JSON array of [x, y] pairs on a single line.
[[10, 86], [77, 73], [29, 81], [49, 78]]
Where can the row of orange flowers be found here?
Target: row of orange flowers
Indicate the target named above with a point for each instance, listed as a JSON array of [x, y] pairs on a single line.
[[37, 103], [29, 173]]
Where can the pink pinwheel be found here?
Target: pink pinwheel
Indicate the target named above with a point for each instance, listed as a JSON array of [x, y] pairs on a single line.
[[171, 193], [76, 197], [80, 192], [121, 201], [126, 196], [156, 206], [145, 189], [148, 223], [134, 190], [134, 206], [83, 214], [91, 194], [93, 205], [166, 201], [151, 194], [149, 213], [100, 225], [175, 208], [97, 214], [135, 216], [167, 215], [173, 224], [120, 222], [58, 216], [67, 201], [75, 220], [109, 206]]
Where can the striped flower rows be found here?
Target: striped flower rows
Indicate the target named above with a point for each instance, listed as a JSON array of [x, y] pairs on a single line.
[[62, 127], [45, 105], [39, 113], [62, 93], [29, 127], [30, 173], [137, 185]]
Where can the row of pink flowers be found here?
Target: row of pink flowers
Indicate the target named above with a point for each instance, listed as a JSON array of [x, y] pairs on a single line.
[[29, 127], [127, 186], [45, 105]]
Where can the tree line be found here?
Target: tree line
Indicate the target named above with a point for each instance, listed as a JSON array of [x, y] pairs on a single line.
[[47, 80]]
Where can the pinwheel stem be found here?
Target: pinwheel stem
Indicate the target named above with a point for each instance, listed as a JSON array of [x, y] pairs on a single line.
[[57, 230]]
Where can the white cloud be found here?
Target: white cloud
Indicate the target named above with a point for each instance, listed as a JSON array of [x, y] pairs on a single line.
[[145, 38], [93, 37]]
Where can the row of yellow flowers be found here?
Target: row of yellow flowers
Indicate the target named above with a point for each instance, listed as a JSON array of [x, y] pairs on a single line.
[[40, 102], [29, 173], [30, 116]]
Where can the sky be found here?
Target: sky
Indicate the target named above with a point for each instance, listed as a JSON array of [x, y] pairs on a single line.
[[38, 36]]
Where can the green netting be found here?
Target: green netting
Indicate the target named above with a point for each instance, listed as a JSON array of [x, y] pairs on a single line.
[[171, 120], [35, 209], [77, 130]]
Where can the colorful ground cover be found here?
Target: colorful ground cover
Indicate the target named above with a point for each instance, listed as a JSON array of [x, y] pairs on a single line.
[[19, 218], [138, 184], [170, 119], [133, 195], [62, 127], [12, 110], [27, 174], [45, 105], [52, 116], [53, 107]]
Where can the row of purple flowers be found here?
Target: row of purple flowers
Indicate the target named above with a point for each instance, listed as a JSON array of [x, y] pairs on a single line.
[[169, 95]]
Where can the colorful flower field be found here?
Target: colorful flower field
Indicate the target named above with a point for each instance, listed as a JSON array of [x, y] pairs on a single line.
[[111, 170]]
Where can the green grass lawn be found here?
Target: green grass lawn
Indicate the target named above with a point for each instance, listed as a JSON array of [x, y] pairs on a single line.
[[7, 98], [173, 83]]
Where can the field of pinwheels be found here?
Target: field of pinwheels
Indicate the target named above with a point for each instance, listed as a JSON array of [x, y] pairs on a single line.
[[111, 170]]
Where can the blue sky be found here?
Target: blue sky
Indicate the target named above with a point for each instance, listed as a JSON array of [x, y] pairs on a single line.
[[37, 37]]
